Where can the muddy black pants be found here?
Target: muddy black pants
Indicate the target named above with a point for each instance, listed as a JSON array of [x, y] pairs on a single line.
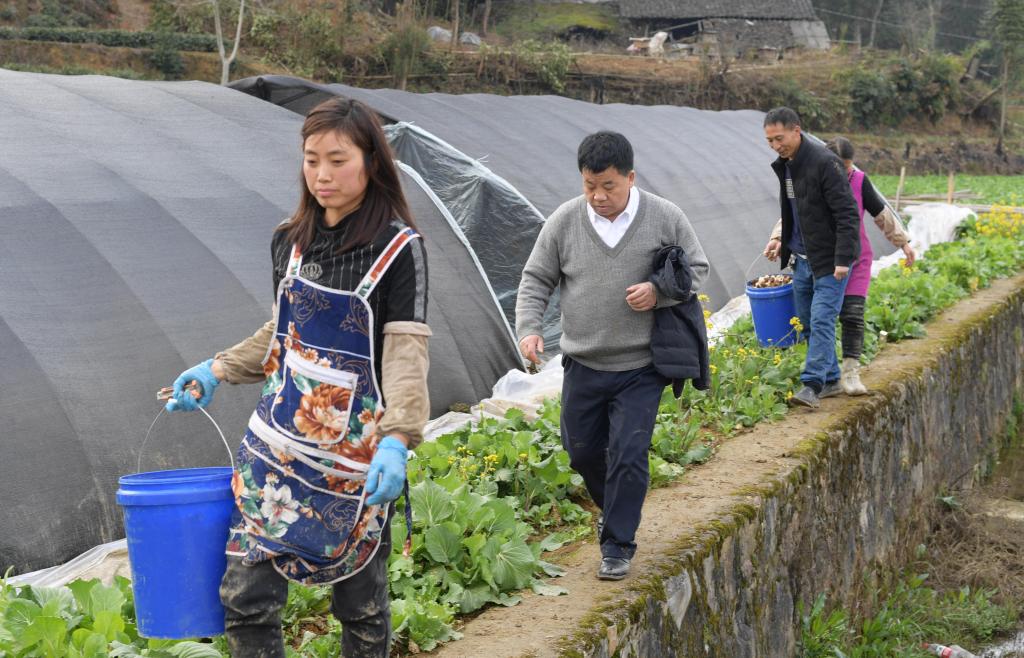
[[254, 596], [851, 317]]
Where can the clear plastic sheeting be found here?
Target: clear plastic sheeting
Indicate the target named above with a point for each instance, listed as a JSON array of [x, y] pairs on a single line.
[[487, 209], [515, 390], [104, 562]]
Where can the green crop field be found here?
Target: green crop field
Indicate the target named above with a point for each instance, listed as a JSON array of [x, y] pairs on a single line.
[[992, 189]]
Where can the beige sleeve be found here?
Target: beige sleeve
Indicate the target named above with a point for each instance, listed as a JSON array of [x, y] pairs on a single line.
[[404, 366], [243, 363], [892, 228], [776, 231]]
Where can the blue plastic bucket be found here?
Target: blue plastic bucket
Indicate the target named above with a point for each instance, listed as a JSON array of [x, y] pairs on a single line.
[[177, 524], [772, 309]]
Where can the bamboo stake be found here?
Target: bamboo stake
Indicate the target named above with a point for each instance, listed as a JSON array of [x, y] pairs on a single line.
[[950, 186], [899, 188]]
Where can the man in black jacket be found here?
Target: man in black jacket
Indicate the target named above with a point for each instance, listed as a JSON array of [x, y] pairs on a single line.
[[821, 233]]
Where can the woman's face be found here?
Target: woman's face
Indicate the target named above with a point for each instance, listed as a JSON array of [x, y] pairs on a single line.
[[335, 173]]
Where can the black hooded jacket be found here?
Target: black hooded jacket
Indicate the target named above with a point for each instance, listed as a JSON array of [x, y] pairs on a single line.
[[679, 339]]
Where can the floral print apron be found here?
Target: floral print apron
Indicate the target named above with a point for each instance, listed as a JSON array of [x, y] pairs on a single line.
[[301, 468]]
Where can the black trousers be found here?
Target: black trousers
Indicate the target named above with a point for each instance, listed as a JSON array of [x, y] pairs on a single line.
[[253, 597], [851, 317], [607, 421]]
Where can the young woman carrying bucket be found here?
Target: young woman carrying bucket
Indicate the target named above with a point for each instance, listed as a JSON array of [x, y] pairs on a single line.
[[322, 459]]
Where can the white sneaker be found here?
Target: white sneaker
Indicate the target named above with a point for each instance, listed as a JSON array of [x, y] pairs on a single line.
[[850, 380]]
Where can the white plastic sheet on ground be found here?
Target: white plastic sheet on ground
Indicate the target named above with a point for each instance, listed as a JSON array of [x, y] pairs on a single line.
[[104, 562]]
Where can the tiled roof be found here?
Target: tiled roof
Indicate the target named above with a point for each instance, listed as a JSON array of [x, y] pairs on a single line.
[[753, 9]]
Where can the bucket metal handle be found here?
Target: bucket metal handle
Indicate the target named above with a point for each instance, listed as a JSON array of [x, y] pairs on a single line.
[[746, 274], [231, 457]]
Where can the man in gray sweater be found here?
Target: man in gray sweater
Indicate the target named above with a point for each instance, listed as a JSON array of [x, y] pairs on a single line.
[[599, 248]]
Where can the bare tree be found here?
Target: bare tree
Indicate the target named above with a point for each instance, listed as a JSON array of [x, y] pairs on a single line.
[[487, 17], [226, 61], [874, 23], [934, 13], [1008, 29], [456, 6]]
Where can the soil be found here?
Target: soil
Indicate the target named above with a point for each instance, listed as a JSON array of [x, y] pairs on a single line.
[[133, 15], [956, 155], [534, 627]]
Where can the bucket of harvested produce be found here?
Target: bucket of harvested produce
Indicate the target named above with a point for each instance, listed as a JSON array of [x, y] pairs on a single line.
[[771, 307], [176, 522]]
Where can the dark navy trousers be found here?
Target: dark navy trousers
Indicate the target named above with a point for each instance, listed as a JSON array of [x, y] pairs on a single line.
[[607, 421]]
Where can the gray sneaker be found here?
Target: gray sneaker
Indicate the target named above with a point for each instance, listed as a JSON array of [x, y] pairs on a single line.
[[831, 389], [805, 397]]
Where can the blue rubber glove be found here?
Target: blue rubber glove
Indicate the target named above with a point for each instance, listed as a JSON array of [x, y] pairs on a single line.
[[387, 466], [183, 400]]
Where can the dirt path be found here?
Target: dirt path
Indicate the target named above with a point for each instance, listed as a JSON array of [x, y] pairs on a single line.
[[534, 626]]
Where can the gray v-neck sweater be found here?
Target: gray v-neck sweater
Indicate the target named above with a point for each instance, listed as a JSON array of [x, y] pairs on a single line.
[[599, 329]]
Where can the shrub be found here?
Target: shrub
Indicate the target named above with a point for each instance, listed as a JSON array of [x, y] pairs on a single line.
[[871, 95], [814, 111], [80, 13], [403, 49], [940, 85], [550, 62], [309, 42], [166, 58], [123, 38]]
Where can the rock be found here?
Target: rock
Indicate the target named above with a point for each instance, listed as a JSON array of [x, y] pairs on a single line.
[[438, 33]]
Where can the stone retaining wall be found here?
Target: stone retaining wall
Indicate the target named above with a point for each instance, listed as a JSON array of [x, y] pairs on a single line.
[[858, 504]]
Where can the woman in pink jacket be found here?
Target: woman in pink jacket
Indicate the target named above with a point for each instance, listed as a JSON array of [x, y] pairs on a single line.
[[851, 317]]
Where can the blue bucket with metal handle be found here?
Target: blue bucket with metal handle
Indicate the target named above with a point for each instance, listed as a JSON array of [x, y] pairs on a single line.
[[176, 522], [771, 310]]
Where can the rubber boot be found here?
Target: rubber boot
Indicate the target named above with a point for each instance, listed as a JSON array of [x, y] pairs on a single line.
[[850, 380]]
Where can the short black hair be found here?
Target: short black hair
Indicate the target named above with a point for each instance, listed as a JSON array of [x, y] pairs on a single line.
[[841, 147], [784, 115], [605, 149]]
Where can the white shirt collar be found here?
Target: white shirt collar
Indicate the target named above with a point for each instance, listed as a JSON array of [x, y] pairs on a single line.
[[611, 232]]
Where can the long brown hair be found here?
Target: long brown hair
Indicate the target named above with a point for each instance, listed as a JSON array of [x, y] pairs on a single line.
[[384, 199]]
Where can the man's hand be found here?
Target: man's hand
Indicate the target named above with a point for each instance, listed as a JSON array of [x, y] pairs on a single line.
[[909, 255], [841, 272], [771, 251], [641, 296], [530, 346]]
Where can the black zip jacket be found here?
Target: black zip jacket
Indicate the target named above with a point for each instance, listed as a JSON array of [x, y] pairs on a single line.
[[829, 221], [679, 338]]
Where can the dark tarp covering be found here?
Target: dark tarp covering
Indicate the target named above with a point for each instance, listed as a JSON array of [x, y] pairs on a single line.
[[713, 165], [135, 223]]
